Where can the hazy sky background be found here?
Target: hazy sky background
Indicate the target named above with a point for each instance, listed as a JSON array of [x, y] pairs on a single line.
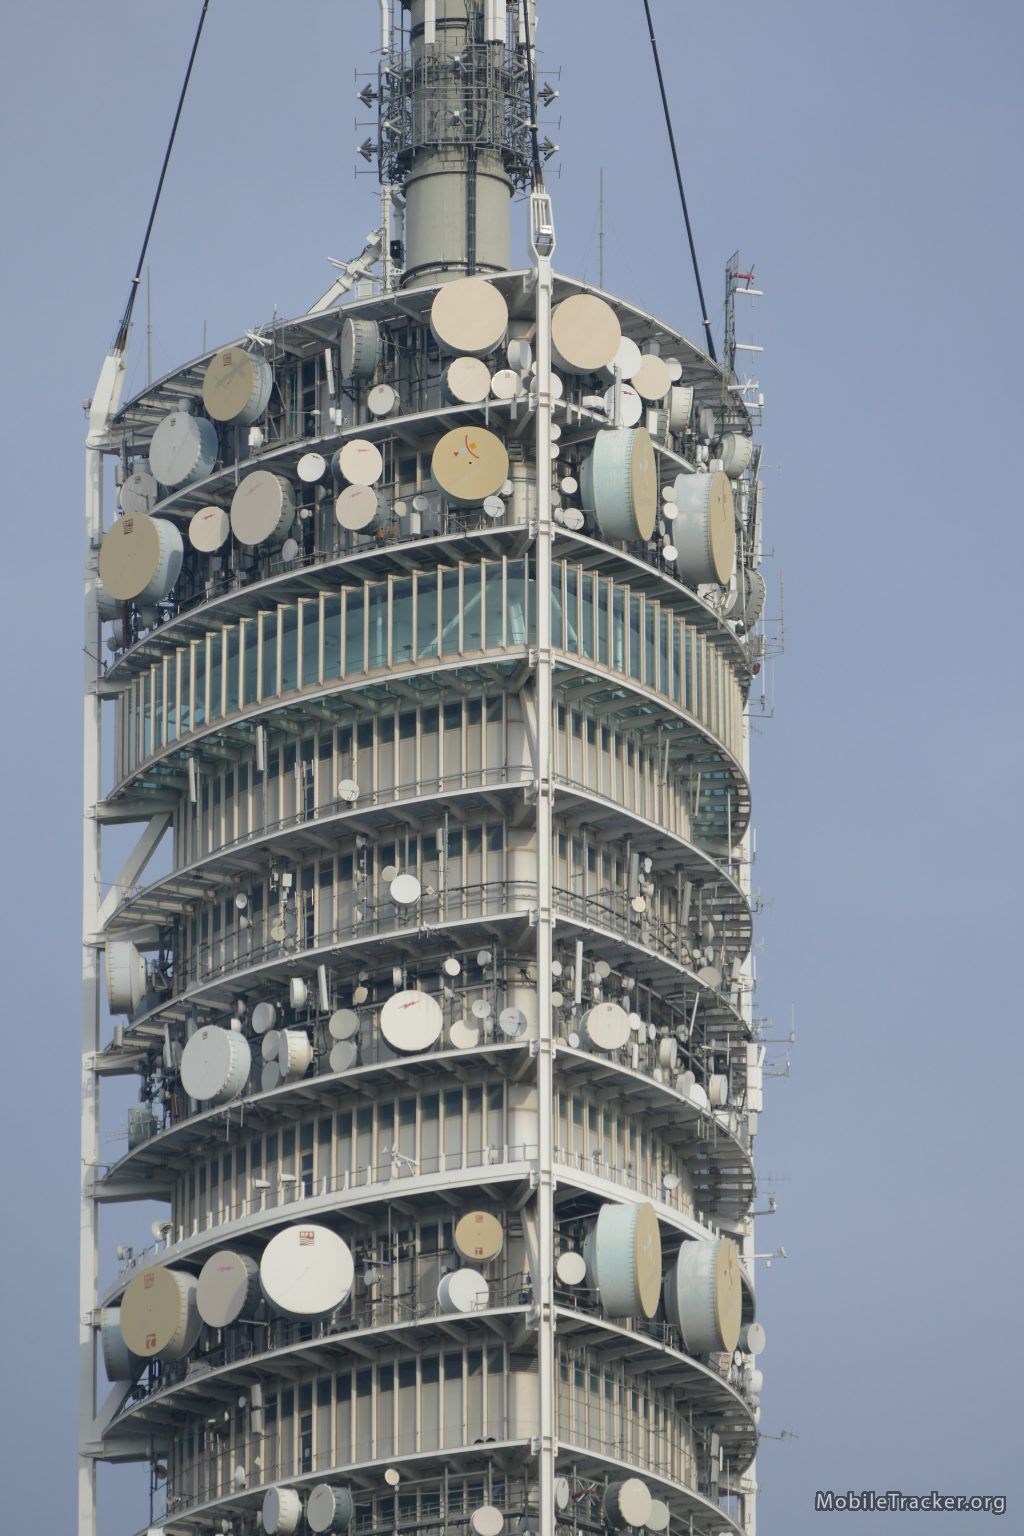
[[866, 157]]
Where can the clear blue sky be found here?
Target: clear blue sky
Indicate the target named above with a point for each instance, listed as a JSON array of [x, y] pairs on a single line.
[[866, 158]]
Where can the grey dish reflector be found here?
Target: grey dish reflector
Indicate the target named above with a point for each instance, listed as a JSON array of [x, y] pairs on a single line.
[[183, 449], [215, 1065], [625, 1260], [228, 1288], [703, 1295], [619, 483], [704, 531]]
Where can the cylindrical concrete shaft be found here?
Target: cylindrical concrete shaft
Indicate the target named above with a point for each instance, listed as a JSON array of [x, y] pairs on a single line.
[[457, 192]]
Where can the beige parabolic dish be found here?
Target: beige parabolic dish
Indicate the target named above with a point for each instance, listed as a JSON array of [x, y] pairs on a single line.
[[235, 385], [140, 554], [721, 527], [158, 1313], [262, 508], [585, 333], [653, 379], [468, 380], [209, 529], [469, 464], [728, 1293], [643, 479], [469, 316], [478, 1236]]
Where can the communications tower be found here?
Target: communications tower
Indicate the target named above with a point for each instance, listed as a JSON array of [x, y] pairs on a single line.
[[419, 634]]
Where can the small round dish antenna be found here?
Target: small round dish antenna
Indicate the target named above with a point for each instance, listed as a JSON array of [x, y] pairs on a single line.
[[209, 530], [463, 1035], [571, 1268], [138, 493], [405, 890], [382, 400], [236, 386], [348, 791], [311, 468], [343, 1024]]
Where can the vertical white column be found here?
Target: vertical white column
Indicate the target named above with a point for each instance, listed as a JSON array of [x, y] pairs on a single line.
[[104, 403], [542, 241], [88, 1276]]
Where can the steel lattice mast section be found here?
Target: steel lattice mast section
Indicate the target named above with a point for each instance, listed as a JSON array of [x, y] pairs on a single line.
[[432, 621]]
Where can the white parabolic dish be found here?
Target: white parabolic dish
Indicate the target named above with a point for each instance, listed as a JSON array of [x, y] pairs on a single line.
[[462, 1290], [215, 1064], [627, 1503], [329, 1509], [411, 1021], [306, 1271]]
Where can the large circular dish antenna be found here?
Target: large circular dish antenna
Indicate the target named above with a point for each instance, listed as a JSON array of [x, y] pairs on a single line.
[[703, 1295], [262, 509], [619, 483], [469, 316], [478, 1237], [215, 1064], [119, 1362], [585, 333], [704, 532], [469, 464], [140, 558], [236, 386], [627, 1260], [228, 1288], [183, 449], [411, 1021], [359, 350], [282, 1511], [159, 1317], [306, 1271], [680, 407], [606, 1026], [329, 1509], [126, 976]]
